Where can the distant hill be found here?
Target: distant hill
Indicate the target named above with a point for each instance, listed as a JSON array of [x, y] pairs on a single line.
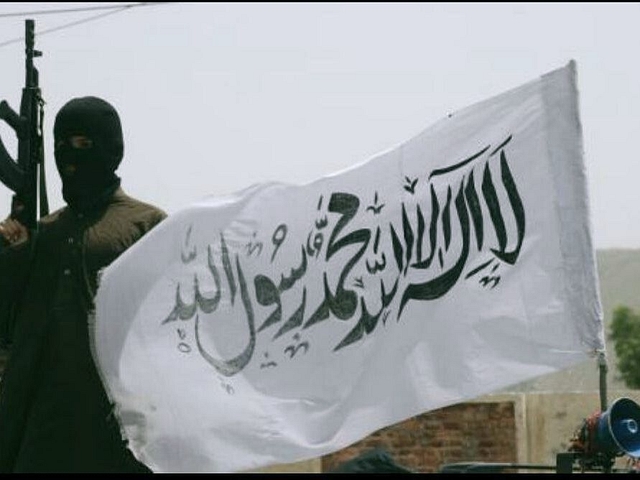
[[619, 276]]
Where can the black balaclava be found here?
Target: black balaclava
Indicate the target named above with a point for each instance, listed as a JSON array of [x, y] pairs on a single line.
[[94, 180]]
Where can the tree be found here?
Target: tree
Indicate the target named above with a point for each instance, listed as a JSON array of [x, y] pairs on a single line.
[[625, 333]]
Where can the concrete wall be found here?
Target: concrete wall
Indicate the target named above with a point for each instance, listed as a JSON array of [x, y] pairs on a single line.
[[551, 419]]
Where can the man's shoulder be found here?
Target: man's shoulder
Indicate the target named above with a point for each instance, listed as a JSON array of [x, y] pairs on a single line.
[[136, 207], [53, 216]]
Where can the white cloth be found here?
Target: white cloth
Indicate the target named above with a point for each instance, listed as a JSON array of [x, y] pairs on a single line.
[[286, 322]]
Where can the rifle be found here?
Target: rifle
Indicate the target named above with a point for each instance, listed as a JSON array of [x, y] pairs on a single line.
[[26, 175]]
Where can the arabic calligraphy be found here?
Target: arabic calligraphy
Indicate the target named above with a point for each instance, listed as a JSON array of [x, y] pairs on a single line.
[[462, 222]]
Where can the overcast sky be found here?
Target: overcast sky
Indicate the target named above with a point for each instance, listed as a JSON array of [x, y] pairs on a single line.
[[215, 97]]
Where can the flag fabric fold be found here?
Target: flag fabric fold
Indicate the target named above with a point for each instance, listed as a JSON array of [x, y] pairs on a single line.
[[285, 322]]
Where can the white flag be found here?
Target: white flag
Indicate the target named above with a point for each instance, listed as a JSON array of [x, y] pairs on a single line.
[[286, 322]]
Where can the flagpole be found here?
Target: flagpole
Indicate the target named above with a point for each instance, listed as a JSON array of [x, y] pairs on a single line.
[[602, 365]]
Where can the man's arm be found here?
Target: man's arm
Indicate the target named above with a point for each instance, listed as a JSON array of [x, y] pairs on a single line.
[[14, 263]]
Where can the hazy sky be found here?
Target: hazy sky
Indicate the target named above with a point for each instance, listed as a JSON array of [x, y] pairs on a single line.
[[215, 97]]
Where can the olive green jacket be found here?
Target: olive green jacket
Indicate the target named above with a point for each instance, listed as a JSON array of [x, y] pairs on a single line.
[[54, 413]]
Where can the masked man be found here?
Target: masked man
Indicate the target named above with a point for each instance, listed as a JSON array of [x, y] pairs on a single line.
[[54, 413]]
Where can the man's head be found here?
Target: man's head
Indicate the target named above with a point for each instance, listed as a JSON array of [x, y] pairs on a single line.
[[88, 150]]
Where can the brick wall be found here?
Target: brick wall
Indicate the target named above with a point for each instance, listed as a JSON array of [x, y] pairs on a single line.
[[460, 433]]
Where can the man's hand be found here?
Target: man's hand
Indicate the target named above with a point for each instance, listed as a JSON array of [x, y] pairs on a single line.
[[13, 231]]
